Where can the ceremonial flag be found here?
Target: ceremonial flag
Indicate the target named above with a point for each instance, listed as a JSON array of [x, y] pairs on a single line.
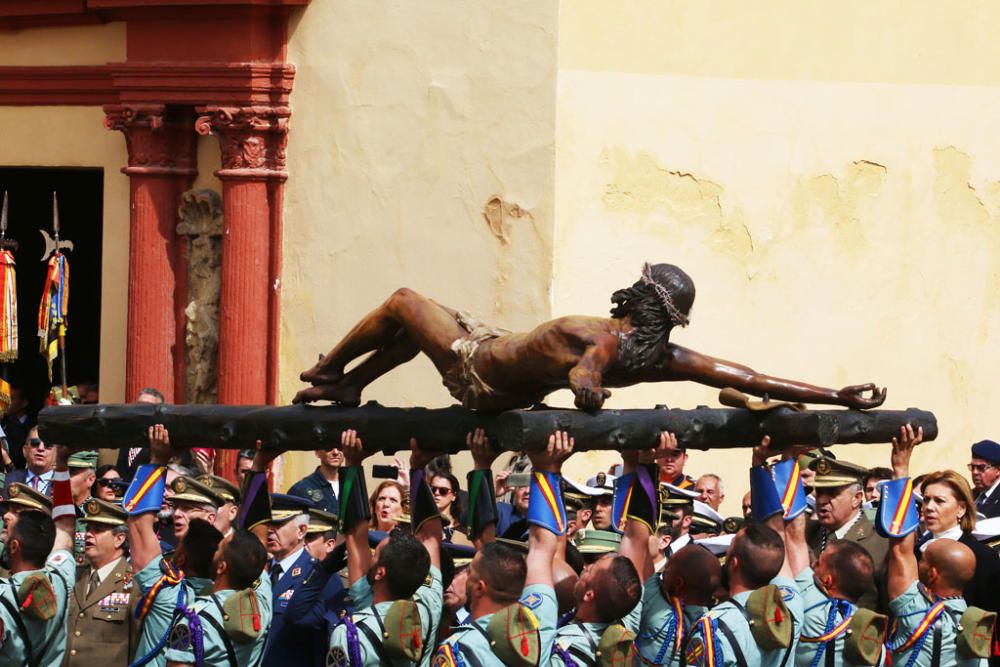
[[8, 320], [53, 309]]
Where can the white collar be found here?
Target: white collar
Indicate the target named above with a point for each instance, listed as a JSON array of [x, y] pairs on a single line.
[[105, 572], [993, 488], [680, 542], [44, 476], [287, 563], [840, 532], [952, 533]]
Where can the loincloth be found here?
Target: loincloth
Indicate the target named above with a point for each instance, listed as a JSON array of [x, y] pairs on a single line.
[[463, 381]]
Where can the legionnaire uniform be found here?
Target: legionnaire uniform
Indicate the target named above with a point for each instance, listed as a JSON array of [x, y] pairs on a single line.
[[934, 639], [102, 626], [827, 627], [233, 628], [373, 630], [318, 491], [77, 462], [665, 625], [33, 603]]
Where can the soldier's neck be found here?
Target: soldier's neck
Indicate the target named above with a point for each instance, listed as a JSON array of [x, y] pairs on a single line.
[[485, 606]]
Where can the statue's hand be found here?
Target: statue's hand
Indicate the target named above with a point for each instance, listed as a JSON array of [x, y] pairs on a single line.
[[590, 398], [854, 396]]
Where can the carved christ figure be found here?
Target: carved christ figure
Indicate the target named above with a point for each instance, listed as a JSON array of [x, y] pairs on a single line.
[[491, 369]]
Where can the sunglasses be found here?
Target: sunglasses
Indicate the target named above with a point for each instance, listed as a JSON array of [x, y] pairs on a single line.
[[980, 467], [441, 490], [107, 482], [35, 443]]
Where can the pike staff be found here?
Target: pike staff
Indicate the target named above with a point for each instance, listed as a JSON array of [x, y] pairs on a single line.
[[54, 307]]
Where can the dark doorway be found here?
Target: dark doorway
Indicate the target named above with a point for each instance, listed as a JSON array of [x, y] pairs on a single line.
[[81, 202]]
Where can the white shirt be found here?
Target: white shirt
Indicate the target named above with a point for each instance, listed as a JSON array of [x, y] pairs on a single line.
[[105, 572], [679, 543], [840, 532], [335, 485], [289, 561], [44, 481], [952, 533]]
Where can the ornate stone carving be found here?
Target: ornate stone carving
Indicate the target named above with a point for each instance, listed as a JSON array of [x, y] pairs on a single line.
[[200, 216], [159, 139], [253, 139]]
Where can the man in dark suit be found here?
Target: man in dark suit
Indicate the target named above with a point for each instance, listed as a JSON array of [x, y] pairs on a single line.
[[839, 496], [16, 424], [41, 458], [289, 569], [985, 469]]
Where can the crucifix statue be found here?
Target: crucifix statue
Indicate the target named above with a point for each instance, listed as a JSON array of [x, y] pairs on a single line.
[[487, 368]]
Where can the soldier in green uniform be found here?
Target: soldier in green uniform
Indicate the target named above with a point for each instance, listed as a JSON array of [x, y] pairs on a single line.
[[225, 518], [234, 616], [34, 600], [165, 588], [102, 626], [82, 474], [398, 595], [674, 599], [512, 601]]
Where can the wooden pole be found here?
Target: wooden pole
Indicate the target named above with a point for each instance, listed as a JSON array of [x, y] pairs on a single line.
[[304, 428]]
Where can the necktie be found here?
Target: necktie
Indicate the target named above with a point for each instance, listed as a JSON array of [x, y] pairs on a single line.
[[34, 482], [95, 581], [275, 574]]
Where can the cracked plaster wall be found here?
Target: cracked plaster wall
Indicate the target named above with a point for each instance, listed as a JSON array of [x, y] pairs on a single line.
[[838, 209], [421, 155]]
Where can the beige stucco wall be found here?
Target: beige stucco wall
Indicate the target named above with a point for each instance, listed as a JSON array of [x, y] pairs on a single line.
[[828, 174], [421, 155]]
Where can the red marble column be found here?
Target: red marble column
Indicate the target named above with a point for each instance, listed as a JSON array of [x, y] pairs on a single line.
[[161, 165], [253, 173]]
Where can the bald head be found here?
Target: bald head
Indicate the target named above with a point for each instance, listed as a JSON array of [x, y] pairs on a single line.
[[693, 574], [954, 563]]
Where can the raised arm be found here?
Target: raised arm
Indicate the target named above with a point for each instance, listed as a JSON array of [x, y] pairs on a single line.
[[585, 379], [642, 515], [144, 545], [683, 364], [425, 515], [481, 516], [542, 542], [902, 559], [63, 511], [772, 519], [359, 555]]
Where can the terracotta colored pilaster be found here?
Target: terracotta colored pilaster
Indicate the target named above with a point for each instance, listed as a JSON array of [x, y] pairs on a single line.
[[161, 165]]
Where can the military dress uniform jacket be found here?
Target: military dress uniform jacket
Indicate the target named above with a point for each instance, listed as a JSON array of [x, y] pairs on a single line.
[[102, 627], [284, 640], [315, 488], [989, 504], [862, 532]]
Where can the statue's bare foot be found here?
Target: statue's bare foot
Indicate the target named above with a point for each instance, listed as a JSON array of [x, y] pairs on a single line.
[[339, 394], [315, 377]]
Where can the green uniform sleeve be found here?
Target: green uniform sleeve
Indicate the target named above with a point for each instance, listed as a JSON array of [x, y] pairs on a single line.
[[430, 600], [541, 600], [361, 594]]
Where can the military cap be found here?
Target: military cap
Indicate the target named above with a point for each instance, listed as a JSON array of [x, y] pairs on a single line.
[[284, 506], [581, 493], [105, 513], [599, 542], [518, 545], [831, 473], [705, 519], [602, 483], [26, 497], [986, 450], [321, 521], [189, 489], [717, 544], [86, 459], [222, 486], [732, 524]]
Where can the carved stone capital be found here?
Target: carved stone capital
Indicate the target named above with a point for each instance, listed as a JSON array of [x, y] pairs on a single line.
[[159, 141], [253, 139]]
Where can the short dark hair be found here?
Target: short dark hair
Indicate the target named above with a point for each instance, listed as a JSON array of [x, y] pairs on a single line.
[[246, 557], [574, 558], [618, 589], [406, 563], [199, 545], [853, 566], [155, 393], [504, 570], [36, 532], [761, 553], [877, 473], [245, 454]]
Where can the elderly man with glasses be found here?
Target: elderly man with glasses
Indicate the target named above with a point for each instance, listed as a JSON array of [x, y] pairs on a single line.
[[985, 469], [41, 458]]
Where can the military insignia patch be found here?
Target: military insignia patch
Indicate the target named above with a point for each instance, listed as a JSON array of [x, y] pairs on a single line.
[[287, 595], [180, 638], [180, 485], [786, 593], [296, 571], [57, 558], [445, 657], [92, 507], [14, 491], [823, 467], [532, 601], [315, 494], [337, 657]]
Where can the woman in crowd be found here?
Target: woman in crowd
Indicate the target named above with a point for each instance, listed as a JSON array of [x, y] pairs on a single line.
[[949, 512], [387, 504], [445, 488], [104, 486]]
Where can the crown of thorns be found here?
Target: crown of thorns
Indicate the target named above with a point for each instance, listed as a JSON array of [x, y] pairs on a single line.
[[663, 294]]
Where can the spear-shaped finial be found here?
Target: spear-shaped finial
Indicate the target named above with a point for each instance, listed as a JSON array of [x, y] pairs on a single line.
[[3, 217], [54, 244]]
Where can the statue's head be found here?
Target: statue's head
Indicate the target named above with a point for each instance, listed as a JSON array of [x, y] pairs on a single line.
[[660, 300]]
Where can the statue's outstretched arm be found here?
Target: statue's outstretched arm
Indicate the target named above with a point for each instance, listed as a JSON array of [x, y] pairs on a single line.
[[684, 364], [586, 378]]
